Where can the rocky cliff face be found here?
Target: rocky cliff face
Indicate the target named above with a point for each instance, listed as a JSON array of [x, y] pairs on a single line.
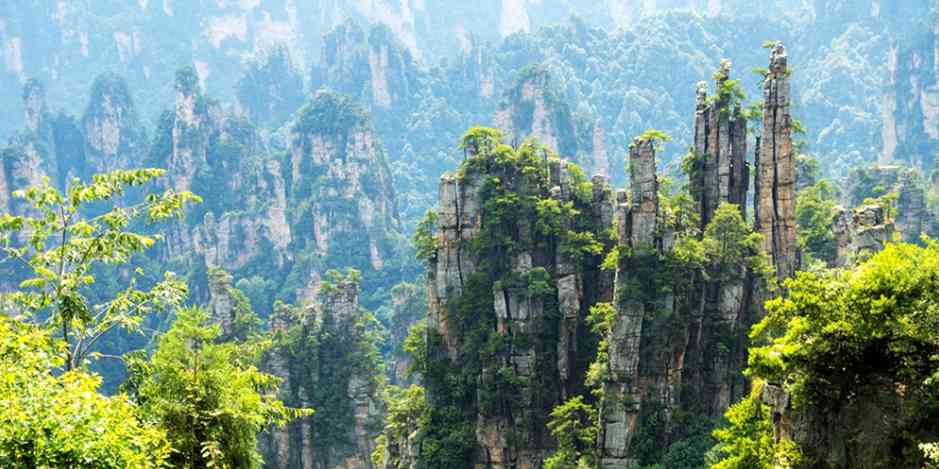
[[911, 100], [326, 202], [774, 204], [114, 137], [339, 183], [721, 172], [534, 108], [374, 65], [529, 303], [677, 342], [326, 355], [641, 230]]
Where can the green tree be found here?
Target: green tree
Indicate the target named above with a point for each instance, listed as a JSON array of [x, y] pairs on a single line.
[[745, 441], [840, 335], [425, 238], [208, 395], [728, 244], [407, 410], [574, 425], [57, 247], [815, 212], [53, 419]]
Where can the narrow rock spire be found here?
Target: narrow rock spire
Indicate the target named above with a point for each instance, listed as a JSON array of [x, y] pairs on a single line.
[[775, 197]]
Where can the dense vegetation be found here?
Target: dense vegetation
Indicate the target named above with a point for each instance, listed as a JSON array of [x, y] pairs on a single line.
[[285, 285], [195, 403]]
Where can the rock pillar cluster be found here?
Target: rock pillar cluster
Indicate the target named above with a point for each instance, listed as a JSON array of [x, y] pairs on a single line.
[[774, 202], [721, 172], [678, 341], [507, 275]]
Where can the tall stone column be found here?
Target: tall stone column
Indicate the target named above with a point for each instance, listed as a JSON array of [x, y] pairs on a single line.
[[639, 229], [775, 196]]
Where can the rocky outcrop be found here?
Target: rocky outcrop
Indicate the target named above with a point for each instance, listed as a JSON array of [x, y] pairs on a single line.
[[372, 65], [271, 88], [533, 108], [114, 137], [721, 172], [31, 153], [860, 233], [408, 306], [905, 184], [34, 102], [190, 130], [324, 354], [774, 203], [911, 93], [529, 303], [344, 206]]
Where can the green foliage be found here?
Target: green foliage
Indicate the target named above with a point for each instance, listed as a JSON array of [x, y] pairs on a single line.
[[331, 346], [407, 411], [745, 441], [187, 80], [888, 202], [656, 136], [815, 212], [540, 283], [518, 214], [245, 323], [574, 425], [109, 92], [425, 239], [839, 334], [52, 419], [836, 329], [481, 140], [271, 88], [260, 292], [59, 248], [208, 396], [730, 94], [728, 244], [931, 453], [329, 114]]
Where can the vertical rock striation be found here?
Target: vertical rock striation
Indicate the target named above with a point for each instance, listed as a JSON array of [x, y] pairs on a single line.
[[721, 173], [774, 204], [324, 353], [114, 137], [533, 107], [640, 230], [509, 293]]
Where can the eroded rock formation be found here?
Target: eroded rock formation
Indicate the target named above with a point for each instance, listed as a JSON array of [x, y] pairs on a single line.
[[533, 108], [322, 351], [114, 138], [903, 183], [774, 204], [529, 303], [860, 233], [641, 230], [721, 172]]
